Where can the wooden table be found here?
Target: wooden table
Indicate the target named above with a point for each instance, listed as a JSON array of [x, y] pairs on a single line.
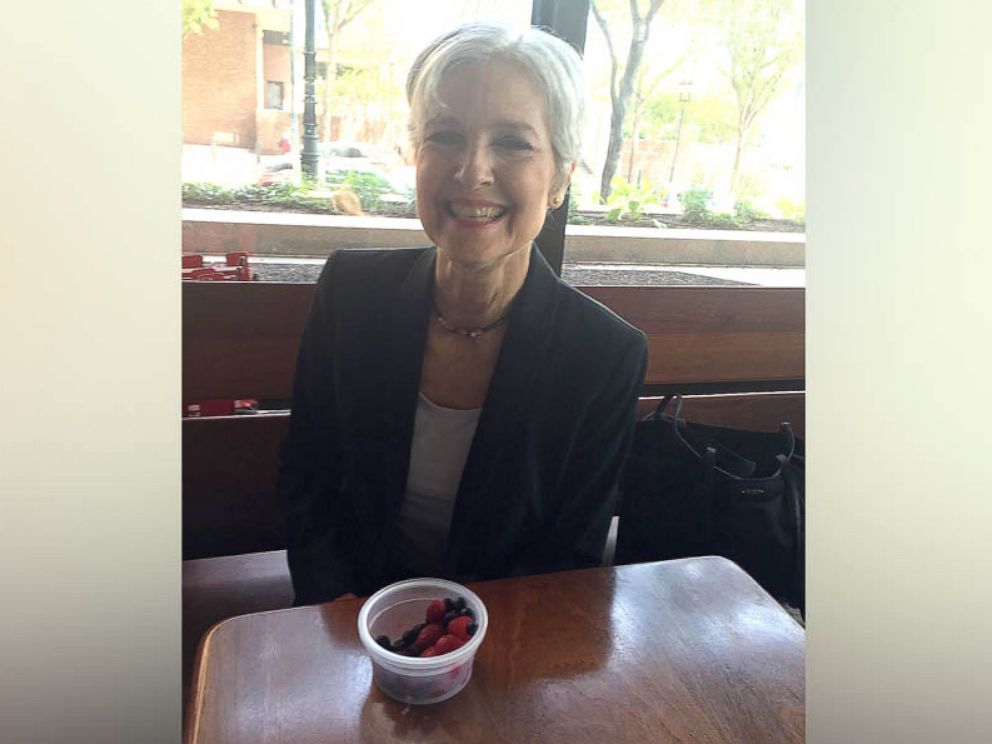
[[676, 651]]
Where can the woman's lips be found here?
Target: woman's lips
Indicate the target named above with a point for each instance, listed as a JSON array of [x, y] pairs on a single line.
[[475, 213]]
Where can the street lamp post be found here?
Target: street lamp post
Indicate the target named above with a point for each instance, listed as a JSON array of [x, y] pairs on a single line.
[[685, 95], [310, 158]]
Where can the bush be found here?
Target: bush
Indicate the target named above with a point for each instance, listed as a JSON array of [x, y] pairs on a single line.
[[277, 193], [206, 192], [368, 187], [745, 212], [723, 219], [574, 217], [695, 203], [790, 210], [629, 200]]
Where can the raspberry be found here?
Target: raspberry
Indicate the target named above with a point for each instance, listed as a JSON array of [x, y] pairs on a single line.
[[432, 651], [435, 611], [459, 627], [447, 643], [428, 637]]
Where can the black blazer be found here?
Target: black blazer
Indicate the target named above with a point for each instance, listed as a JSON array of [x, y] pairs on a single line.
[[538, 488]]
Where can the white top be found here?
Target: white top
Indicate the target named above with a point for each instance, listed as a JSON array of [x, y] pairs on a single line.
[[442, 438]]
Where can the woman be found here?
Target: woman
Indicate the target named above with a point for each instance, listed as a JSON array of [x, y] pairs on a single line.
[[459, 411]]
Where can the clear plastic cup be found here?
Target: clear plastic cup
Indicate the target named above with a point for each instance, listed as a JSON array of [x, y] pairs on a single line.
[[395, 609]]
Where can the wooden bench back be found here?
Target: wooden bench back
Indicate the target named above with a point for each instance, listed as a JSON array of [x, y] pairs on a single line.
[[240, 338], [240, 341]]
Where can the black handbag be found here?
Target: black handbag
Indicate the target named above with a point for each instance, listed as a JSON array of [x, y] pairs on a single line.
[[691, 489]]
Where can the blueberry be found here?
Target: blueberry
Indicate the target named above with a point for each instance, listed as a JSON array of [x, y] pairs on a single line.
[[472, 627], [450, 616], [384, 642], [411, 635], [467, 611], [458, 604], [449, 605]]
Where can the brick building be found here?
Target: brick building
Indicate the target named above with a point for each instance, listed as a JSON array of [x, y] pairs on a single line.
[[237, 82]]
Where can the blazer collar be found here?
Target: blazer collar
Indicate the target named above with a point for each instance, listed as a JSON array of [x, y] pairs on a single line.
[[529, 333]]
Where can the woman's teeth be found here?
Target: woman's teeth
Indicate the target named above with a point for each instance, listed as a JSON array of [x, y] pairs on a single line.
[[482, 214]]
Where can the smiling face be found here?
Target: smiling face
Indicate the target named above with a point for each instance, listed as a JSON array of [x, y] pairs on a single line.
[[485, 165]]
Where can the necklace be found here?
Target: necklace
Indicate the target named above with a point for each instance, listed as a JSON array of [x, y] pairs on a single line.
[[473, 333]]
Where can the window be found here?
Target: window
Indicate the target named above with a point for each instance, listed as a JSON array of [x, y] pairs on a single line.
[[681, 159], [273, 94]]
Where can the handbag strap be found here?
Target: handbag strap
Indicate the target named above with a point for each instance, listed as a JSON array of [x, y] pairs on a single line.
[[662, 405], [785, 428]]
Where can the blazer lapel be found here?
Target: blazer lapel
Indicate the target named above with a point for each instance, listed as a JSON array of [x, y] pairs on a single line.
[[529, 334], [404, 334]]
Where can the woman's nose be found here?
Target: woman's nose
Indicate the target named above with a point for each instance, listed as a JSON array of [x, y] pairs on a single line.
[[476, 167]]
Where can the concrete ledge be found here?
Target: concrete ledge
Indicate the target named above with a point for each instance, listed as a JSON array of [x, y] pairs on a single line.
[[289, 234]]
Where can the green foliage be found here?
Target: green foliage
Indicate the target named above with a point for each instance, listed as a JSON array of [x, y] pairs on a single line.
[[713, 118], [279, 194], [659, 116], [695, 203], [368, 187], [629, 200], [750, 187], [198, 191], [197, 15], [574, 197], [276, 194], [722, 220], [710, 120], [745, 212], [790, 210]]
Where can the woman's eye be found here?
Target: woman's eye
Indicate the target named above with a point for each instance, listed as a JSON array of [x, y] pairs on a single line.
[[444, 138], [514, 143]]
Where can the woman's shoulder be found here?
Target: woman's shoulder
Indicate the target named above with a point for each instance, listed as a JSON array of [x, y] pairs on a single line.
[[593, 321], [374, 261], [365, 270]]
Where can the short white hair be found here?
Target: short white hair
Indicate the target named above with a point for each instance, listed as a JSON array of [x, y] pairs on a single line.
[[551, 62]]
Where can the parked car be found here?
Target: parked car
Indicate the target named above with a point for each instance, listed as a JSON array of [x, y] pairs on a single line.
[[336, 156]]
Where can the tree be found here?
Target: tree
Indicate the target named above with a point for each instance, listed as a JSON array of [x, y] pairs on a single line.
[[644, 89], [337, 15], [763, 40], [620, 93], [373, 95], [715, 119], [198, 14]]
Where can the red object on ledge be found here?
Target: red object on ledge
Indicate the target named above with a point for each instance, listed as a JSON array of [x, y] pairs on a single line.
[[220, 407], [234, 269]]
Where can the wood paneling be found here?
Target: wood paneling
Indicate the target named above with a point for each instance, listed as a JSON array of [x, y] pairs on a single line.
[[230, 464], [240, 339]]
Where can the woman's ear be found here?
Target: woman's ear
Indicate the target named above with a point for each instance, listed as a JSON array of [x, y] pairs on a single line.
[[557, 196]]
